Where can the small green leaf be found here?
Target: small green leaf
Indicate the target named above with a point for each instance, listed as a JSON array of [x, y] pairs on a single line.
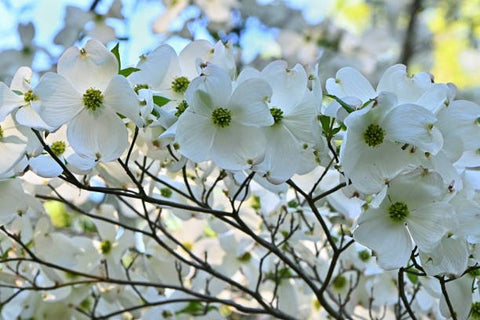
[[284, 273], [325, 121], [412, 277], [342, 103], [155, 113], [116, 53], [195, 307], [160, 101], [128, 71]]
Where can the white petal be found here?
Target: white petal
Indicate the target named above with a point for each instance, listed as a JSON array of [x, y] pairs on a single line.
[[281, 154], [9, 101], [427, 224], [155, 66], [80, 165], [246, 74], [92, 69], [237, 145], [21, 79], [45, 166], [12, 150], [12, 200], [407, 89], [434, 98], [350, 82], [120, 97], [27, 116], [195, 135], [199, 49], [460, 118], [412, 124], [369, 168], [390, 240], [217, 84], [248, 103], [59, 102], [460, 296], [288, 85], [449, 257], [98, 135], [301, 118]]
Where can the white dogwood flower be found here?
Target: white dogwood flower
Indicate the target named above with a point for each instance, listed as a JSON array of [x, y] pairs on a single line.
[[413, 208], [222, 125], [382, 139], [87, 94]]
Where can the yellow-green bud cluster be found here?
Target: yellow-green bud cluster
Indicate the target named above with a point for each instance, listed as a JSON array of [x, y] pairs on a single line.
[[92, 99], [180, 84], [398, 211], [221, 117], [374, 135]]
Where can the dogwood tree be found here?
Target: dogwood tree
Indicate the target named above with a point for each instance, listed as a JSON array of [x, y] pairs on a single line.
[[193, 185]]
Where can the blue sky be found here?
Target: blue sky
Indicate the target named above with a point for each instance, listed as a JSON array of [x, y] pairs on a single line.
[[47, 16]]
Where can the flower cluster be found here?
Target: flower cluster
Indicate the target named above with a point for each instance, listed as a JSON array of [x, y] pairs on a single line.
[[183, 187]]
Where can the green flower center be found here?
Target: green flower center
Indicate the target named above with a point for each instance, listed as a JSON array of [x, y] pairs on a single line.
[[475, 311], [139, 87], [364, 255], [92, 99], [58, 148], [166, 192], [182, 106], [1, 132], [221, 117], [29, 96], [374, 135], [245, 257], [277, 114], [339, 282], [398, 211], [106, 246], [180, 84]]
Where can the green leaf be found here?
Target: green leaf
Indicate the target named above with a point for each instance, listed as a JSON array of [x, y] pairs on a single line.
[[342, 103], [155, 113], [412, 277], [160, 101], [195, 307], [284, 273], [128, 71], [325, 121], [116, 53]]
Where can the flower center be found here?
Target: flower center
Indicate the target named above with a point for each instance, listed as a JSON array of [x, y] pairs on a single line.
[[221, 117], [180, 84], [166, 192], [398, 211], [339, 282], [139, 87], [106, 246], [29, 96], [92, 99], [374, 135], [58, 148], [1, 132], [182, 106], [364, 255], [277, 115]]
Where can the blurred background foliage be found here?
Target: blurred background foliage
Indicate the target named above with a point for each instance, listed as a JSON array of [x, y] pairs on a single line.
[[437, 36]]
